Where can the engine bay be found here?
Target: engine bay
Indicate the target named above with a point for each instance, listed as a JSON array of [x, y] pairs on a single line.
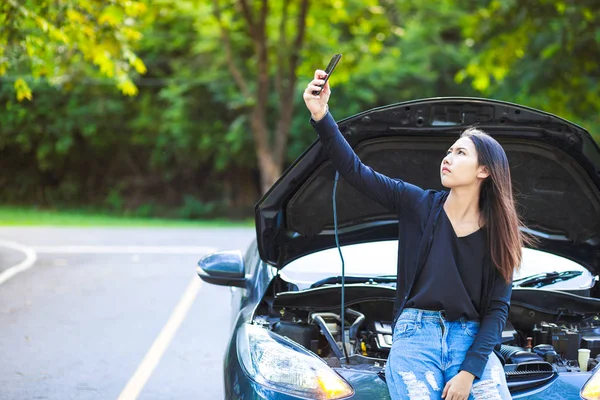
[[537, 342]]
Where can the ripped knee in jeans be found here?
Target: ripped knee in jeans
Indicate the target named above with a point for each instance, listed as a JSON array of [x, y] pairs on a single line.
[[417, 390], [486, 390]]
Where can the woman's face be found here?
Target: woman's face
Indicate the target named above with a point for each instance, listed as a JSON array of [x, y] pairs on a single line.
[[460, 165]]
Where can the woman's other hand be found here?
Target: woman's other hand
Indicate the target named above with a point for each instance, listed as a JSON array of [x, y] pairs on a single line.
[[459, 387], [317, 105]]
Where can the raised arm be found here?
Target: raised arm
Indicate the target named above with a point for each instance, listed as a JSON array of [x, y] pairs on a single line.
[[394, 194]]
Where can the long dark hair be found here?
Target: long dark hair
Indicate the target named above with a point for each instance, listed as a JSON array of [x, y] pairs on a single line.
[[497, 205]]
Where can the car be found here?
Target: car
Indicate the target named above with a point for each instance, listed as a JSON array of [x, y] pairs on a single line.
[[288, 339]]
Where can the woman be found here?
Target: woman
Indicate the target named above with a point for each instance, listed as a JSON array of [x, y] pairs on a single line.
[[457, 254]]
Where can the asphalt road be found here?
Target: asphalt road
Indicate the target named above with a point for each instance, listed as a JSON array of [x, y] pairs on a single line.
[[93, 312]]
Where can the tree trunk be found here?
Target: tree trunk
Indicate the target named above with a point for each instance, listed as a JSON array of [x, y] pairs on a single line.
[[270, 170], [270, 154]]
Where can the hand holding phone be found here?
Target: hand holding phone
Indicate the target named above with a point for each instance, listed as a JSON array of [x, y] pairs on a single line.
[[318, 91], [329, 70]]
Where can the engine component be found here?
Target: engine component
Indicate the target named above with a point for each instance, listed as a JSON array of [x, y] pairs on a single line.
[[546, 351], [357, 324], [528, 375], [329, 324], [566, 343], [363, 349], [299, 333], [318, 318], [584, 357], [509, 333], [517, 355], [541, 335], [567, 340], [592, 343], [382, 335]]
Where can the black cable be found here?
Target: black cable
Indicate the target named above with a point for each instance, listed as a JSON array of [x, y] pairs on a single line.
[[337, 242]]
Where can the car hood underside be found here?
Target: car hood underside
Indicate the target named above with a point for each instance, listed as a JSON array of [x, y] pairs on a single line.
[[555, 169]]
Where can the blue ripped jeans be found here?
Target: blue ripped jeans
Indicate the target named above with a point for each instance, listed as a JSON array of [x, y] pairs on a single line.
[[427, 351]]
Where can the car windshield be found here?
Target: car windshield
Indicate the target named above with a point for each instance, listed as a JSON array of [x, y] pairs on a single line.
[[379, 259]]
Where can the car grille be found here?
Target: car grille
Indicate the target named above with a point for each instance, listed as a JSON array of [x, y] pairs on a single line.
[[528, 375]]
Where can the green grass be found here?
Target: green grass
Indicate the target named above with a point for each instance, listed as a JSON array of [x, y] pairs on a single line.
[[17, 216]]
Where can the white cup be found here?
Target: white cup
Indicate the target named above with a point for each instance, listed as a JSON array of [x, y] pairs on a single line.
[[583, 357]]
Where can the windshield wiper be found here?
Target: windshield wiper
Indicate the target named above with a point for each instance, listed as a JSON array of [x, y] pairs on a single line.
[[353, 279], [546, 278]]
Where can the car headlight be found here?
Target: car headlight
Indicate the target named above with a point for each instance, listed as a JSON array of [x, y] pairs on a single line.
[[591, 389], [281, 365]]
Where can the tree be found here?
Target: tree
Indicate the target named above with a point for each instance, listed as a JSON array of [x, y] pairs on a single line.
[[168, 151], [58, 39], [255, 51], [276, 57], [539, 53]]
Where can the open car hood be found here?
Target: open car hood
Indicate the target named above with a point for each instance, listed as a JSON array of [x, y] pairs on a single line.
[[555, 169]]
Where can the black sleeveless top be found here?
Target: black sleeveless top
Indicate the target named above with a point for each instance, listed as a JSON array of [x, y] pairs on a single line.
[[451, 278]]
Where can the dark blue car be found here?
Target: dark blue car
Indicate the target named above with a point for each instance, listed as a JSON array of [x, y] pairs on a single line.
[[288, 339]]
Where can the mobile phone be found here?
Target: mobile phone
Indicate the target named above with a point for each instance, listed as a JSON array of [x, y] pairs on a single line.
[[332, 64]]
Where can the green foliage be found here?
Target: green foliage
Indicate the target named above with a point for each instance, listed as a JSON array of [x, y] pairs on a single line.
[[89, 145], [114, 200], [145, 210], [543, 54], [193, 208], [413, 51], [392, 51], [58, 40], [184, 147]]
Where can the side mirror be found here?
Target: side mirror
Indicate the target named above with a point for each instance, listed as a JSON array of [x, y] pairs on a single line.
[[224, 268]]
